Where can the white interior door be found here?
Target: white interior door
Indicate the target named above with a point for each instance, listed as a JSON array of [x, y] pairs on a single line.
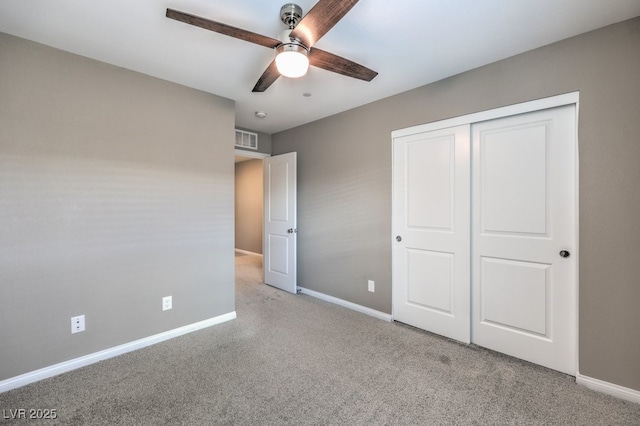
[[280, 232], [431, 193], [524, 210]]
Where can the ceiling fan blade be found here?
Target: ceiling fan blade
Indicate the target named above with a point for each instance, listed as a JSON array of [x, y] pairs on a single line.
[[320, 19], [221, 28], [329, 61], [267, 78]]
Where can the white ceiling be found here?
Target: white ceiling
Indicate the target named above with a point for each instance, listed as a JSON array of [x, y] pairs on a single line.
[[409, 42]]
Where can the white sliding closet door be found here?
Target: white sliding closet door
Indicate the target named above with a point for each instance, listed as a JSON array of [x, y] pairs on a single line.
[[485, 231], [524, 209], [431, 226]]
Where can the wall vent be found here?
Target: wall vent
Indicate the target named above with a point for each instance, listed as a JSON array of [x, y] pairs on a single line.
[[247, 140]]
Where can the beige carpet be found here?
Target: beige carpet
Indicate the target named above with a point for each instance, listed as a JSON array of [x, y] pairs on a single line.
[[292, 359]]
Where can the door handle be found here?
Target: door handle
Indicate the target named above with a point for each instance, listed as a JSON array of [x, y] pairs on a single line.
[[398, 238], [564, 253], [291, 231]]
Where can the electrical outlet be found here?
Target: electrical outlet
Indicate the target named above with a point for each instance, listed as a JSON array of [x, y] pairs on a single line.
[[77, 324], [167, 303], [372, 286]]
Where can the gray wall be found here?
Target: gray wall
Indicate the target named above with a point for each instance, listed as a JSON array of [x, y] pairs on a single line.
[[344, 178], [249, 206], [116, 189]]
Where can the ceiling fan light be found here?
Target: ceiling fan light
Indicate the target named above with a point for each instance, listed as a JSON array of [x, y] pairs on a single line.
[[292, 60]]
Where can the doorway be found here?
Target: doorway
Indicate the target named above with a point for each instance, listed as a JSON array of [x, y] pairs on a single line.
[[248, 201], [265, 214]]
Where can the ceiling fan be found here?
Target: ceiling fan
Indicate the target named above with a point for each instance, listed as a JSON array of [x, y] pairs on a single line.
[[295, 44]]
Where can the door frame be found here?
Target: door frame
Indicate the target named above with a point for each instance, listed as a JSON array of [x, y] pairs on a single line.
[[250, 154], [571, 98]]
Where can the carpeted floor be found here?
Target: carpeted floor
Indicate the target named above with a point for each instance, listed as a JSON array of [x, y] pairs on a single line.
[[292, 359]]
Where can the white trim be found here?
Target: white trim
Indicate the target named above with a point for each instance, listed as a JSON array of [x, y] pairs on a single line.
[[251, 154], [345, 304], [248, 252], [576, 249], [521, 108], [618, 391], [72, 364]]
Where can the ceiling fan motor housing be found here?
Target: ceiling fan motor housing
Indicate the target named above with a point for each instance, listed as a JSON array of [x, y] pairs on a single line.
[[290, 14], [292, 47]]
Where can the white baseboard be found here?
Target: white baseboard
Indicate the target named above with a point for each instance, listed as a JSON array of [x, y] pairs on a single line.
[[621, 392], [344, 303], [63, 367]]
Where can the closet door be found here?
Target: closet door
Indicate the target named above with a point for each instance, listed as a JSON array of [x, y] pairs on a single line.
[[431, 192], [524, 237]]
